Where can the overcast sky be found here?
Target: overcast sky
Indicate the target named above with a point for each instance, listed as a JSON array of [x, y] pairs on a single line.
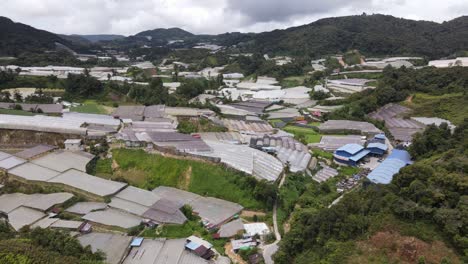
[[129, 17]]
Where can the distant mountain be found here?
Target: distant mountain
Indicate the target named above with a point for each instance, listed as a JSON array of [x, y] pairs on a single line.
[[17, 38], [102, 37], [76, 39], [165, 34], [372, 35]]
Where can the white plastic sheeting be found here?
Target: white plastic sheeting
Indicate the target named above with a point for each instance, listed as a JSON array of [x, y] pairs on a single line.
[[42, 123]]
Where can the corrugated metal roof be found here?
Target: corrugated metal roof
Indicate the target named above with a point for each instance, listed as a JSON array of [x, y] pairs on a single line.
[[351, 148], [34, 151], [378, 146], [11, 162], [359, 155], [402, 155], [88, 183], [383, 174]]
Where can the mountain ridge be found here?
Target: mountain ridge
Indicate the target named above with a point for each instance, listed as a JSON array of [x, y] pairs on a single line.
[[371, 34]]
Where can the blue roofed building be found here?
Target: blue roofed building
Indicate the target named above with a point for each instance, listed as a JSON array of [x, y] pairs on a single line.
[[350, 154], [384, 173], [377, 149], [379, 138]]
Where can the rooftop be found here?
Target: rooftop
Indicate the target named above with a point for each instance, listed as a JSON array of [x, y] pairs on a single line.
[[362, 127], [64, 160], [113, 217], [114, 245], [34, 151], [88, 183], [378, 146], [23, 216], [351, 148], [384, 173], [231, 229], [83, 208], [33, 172], [11, 162]]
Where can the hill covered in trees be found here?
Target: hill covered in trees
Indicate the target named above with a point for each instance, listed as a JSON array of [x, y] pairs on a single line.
[[370, 34], [17, 38]]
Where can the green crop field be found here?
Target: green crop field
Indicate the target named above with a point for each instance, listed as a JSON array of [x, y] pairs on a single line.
[[15, 112], [308, 134], [149, 171], [91, 107], [322, 153], [293, 81]]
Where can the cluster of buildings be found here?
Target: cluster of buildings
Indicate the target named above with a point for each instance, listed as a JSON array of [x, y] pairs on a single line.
[[127, 206], [138, 250]]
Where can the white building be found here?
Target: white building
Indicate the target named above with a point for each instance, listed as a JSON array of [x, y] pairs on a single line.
[[73, 144]]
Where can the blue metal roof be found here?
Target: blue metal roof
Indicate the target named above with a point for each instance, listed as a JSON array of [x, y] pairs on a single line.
[[359, 155], [192, 245], [384, 172], [402, 155], [380, 136], [136, 242], [378, 146], [351, 148]]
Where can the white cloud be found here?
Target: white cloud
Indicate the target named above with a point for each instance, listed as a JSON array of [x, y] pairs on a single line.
[[209, 16]]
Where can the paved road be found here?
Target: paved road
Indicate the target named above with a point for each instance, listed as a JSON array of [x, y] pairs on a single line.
[[270, 250]]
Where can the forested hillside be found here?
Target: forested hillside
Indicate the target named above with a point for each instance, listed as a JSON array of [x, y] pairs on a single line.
[[17, 38], [370, 34]]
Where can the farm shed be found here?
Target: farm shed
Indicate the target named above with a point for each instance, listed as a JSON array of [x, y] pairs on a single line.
[[113, 217], [384, 173], [41, 123], [350, 154], [83, 208], [64, 160], [377, 149], [337, 126], [243, 158], [23, 216], [231, 229], [332, 143], [82, 181], [35, 151], [212, 211], [10, 162], [114, 245]]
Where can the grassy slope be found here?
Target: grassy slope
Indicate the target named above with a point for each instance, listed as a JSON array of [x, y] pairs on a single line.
[[452, 107], [310, 135], [149, 171], [15, 112], [91, 107], [293, 81]]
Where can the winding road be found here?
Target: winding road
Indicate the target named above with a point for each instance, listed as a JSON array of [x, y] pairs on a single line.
[[270, 250]]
